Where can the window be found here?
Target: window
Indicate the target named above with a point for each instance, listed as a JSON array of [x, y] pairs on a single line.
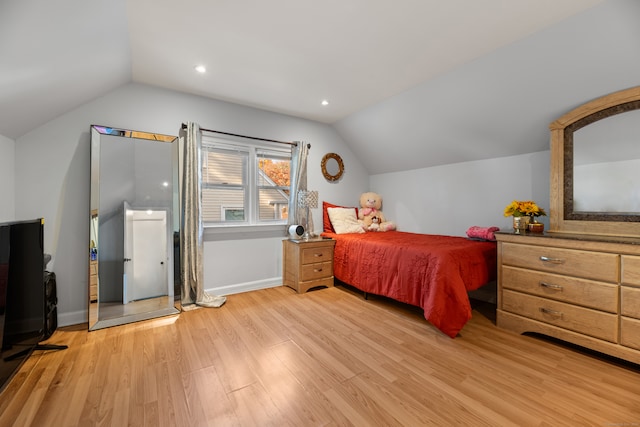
[[244, 183]]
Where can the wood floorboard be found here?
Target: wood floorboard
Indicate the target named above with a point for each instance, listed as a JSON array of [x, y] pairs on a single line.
[[325, 358]]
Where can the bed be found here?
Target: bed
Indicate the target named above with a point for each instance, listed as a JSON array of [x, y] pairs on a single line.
[[433, 272]]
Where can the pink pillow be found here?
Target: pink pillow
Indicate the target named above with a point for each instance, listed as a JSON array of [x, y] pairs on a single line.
[[484, 233]]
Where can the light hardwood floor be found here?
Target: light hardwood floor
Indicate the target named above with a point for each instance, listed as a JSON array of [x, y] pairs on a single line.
[[324, 358]]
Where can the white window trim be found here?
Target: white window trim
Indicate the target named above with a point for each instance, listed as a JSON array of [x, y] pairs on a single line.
[[275, 227], [249, 231]]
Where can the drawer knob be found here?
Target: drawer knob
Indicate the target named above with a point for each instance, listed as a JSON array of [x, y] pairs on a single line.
[[317, 255], [551, 286], [551, 260], [552, 312], [317, 270]]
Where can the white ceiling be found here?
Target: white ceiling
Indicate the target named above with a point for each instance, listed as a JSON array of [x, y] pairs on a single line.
[[279, 55]]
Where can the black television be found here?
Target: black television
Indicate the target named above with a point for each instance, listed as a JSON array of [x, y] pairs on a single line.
[[22, 294]]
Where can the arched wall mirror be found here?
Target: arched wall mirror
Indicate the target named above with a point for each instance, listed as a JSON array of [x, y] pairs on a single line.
[[133, 248], [332, 167], [595, 167]]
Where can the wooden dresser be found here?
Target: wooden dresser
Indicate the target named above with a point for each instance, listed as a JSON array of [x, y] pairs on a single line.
[[580, 289], [307, 264]]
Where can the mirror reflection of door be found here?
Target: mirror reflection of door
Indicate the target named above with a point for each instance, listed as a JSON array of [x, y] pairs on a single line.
[[146, 254], [128, 281]]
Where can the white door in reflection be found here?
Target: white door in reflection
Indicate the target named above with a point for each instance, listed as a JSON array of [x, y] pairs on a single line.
[[145, 254]]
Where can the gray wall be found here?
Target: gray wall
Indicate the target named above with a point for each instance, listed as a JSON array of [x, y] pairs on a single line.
[[437, 153], [52, 181], [449, 199], [502, 103], [7, 176]]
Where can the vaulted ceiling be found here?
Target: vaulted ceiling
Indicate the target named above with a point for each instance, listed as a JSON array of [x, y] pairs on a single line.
[[424, 73]]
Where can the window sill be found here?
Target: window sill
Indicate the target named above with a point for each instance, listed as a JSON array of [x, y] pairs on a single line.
[[240, 232]]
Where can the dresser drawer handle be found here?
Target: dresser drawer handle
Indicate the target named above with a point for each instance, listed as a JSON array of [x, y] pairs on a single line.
[[552, 260], [317, 270], [551, 286], [552, 312], [317, 255]]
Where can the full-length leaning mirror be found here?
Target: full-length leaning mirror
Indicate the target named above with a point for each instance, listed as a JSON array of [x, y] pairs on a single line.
[[133, 248], [595, 167]]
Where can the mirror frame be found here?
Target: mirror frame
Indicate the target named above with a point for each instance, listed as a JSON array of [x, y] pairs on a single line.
[[562, 217], [95, 321], [325, 172]]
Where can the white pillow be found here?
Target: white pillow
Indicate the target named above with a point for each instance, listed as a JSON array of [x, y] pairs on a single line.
[[344, 220]]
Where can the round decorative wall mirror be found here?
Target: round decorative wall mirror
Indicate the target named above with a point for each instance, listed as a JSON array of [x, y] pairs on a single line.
[[332, 167]]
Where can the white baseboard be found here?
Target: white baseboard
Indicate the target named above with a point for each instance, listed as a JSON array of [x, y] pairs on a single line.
[[246, 287], [73, 318]]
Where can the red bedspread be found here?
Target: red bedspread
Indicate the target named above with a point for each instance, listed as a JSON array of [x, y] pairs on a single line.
[[429, 271]]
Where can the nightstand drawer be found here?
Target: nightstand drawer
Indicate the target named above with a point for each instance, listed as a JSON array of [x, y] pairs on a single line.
[[317, 254], [589, 293], [317, 271], [579, 319], [571, 262]]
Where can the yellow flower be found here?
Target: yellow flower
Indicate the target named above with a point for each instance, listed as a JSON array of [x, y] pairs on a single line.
[[523, 208]]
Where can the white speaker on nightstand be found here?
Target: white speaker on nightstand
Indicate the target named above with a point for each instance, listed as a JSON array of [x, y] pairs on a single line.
[[296, 231]]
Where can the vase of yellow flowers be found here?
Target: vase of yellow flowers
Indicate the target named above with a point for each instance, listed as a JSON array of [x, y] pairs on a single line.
[[524, 213], [520, 224]]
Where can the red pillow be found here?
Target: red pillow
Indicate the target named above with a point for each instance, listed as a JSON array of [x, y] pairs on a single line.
[[326, 222]]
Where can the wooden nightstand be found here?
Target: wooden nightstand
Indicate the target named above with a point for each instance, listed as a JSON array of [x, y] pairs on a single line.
[[307, 264]]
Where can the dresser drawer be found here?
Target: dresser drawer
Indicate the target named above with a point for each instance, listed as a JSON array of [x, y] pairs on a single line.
[[630, 301], [571, 262], [631, 270], [317, 254], [579, 319], [317, 271], [630, 332], [588, 293]]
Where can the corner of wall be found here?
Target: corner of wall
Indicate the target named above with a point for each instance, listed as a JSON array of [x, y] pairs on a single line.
[[7, 179]]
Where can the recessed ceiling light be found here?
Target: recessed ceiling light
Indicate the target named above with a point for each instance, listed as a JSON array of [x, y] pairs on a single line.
[[325, 102], [201, 69]]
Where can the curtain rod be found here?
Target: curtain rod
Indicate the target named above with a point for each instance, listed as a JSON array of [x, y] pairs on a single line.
[[184, 126]]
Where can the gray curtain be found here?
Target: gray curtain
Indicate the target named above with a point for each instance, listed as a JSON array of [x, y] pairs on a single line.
[[297, 215], [191, 231]]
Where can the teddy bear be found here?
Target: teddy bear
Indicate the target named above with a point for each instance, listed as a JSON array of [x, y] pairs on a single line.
[[375, 224], [370, 205]]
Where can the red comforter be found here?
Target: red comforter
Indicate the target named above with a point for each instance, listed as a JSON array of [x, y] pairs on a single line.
[[429, 271]]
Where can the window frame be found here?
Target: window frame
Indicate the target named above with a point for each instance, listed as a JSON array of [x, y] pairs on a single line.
[[255, 150]]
